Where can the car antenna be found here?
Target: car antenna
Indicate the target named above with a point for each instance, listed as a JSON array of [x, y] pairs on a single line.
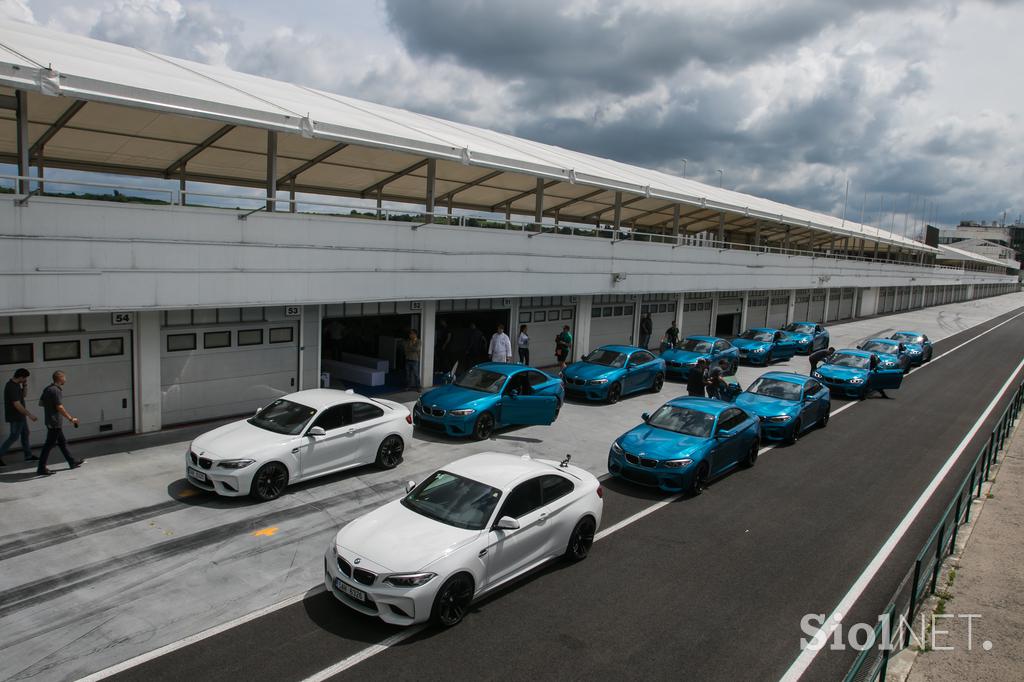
[[565, 462]]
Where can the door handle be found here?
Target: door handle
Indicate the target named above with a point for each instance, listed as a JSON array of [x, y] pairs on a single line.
[[543, 515], [295, 451], [483, 552]]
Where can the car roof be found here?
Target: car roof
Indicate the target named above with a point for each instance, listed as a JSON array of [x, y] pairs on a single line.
[[907, 331], [706, 405], [705, 338], [763, 329], [619, 349], [503, 367], [498, 469], [882, 340], [791, 377], [319, 398], [856, 351], [804, 322]]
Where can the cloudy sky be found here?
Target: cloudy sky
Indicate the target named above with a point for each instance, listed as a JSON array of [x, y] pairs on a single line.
[[914, 106]]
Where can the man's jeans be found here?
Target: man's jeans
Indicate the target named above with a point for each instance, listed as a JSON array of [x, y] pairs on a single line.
[[54, 437], [412, 373], [18, 430]]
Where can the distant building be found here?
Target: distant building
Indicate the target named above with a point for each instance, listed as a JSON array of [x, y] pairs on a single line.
[[999, 242]]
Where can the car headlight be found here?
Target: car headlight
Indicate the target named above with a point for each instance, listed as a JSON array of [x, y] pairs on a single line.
[[888, 364], [914, 352], [409, 579], [678, 463], [235, 463], [779, 418], [817, 375], [598, 381], [757, 350], [461, 413], [617, 449], [856, 380]]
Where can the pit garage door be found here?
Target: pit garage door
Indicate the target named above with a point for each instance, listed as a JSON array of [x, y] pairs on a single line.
[[905, 293], [696, 318], [834, 299], [888, 301], [95, 355], [816, 311], [757, 311], [222, 368], [662, 308], [917, 298], [777, 311], [929, 296], [801, 309], [544, 317], [611, 321], [846, 306]]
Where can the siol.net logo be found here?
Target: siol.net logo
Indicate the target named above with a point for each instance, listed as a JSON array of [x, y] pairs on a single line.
[[860, 636]]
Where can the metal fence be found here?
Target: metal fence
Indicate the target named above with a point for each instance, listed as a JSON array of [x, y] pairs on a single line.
[[922, 579]]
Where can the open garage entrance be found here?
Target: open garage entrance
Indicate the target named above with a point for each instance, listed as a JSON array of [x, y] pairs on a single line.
[[362, 345], [468, 325], [544, 317], [727, 319]]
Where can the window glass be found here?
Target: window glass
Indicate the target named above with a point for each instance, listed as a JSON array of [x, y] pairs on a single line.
[[606, 311], [721, 345], [283, 416], [552, 487], [176, 342], [250, 337], [730, 419], [523, 499], [812, 388], [536, 378], [217, 339], [99, 348], [567, 314], [524, 318], [333, 418], [539, 316], [362, 412], [552, 315], [642, 357], [281, 335], [61, 350], [451, 499], [595, 312], [16, 354], [618, 310]]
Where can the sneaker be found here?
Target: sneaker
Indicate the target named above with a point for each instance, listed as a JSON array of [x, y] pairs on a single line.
[[46, 472], [77, 463]]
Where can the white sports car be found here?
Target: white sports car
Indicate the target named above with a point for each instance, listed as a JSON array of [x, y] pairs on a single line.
[[467, 529], [298, 437]]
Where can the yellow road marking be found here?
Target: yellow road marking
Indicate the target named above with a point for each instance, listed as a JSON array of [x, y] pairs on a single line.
[[266, 531], [188, 492]]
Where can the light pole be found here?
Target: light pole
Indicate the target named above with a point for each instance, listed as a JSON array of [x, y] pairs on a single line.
[[684, 168], [721, 176]]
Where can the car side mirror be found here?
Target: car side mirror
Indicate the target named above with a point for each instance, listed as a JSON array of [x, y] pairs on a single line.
[[409, 486], [507, 523], [316, 431], [646, 416], [723, 433], [258, 410]]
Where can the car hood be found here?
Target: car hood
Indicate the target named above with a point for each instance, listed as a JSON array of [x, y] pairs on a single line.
[[765, 406], [589, 370], [914, 347], [453, 397], [400, 540], [844, 373], [649, 441], [685, 357], [799, 338], [238, 439], [751, 344]]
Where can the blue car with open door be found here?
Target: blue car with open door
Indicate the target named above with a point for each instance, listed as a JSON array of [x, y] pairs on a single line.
[[918, 346], [808, 336], [490, 396], [685, 443], [788, 404], [679, 360], [610, 372], [761, 346], [853, 374], [890, 352]]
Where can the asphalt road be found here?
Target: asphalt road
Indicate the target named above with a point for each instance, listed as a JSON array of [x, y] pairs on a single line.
[[712, 587]]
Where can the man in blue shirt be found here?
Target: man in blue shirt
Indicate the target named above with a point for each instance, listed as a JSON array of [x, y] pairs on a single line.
[[17, 415]]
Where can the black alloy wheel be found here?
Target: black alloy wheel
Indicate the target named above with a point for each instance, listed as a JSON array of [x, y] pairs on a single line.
[[389, 454], [928, 355], [659, 382], [794, 436], [825, 417], [269, 482], [700, 480], [484, 426], [453, 600], [614, 393], [751, 458], [581, 540]]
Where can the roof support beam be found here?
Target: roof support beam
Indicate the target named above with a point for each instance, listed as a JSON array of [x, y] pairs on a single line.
[[538, 208], [62, 120], [394, 176], [570, 202], [205, 144], [447, 196], [641, 216], [21, 123], [676, 210], [617, 215], [292, 174], [617, 206], [431, 185], [523, 195], [271, 170], [9, 102]]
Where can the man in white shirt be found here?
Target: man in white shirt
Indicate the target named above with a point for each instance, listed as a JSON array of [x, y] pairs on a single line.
[[500, 349]]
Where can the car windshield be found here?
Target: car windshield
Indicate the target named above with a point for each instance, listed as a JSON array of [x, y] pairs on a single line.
[[907, 337], [695, 346], [682, 420], [847, 360], [482, 380], [755, 335], [608, 358], [879, 347], [799, 328], [283, 416], [774, 388], [454, 500]]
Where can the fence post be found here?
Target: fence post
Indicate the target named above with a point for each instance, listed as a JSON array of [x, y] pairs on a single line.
[[913, 600], [888, 645], [995, 451], [970, 491], [956, 519], [939, 544]]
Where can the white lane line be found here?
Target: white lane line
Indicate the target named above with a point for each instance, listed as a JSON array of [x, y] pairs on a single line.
[[360, 656], [199, 636], [637, 516], [807, 656]]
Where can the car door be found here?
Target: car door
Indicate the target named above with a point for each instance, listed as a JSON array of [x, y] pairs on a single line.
[[728, 440], [784, 346], [885, 379], [520, 405], [368, 423], [319, 454], [810, 407], [508, 551], [556, 494], [639, 371]]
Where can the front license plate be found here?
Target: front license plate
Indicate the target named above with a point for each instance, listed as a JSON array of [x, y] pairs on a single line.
[[196, 474], [358, 595]]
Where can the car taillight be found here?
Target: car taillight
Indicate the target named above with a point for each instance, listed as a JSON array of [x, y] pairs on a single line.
[[600, 491], [408, 419]]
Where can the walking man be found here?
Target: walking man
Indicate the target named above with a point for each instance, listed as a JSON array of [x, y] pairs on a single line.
[[820, 356], [523, 343], [411, 347], [500, 348], [672, 335], [17, 415], [52, 402], [646, 327], [563, 344], [696, 379]]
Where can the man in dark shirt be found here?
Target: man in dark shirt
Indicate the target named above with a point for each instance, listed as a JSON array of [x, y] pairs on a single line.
[[17, 415], [820, 356], [696, 379], [717, 388], [52, 401], [646, 329], [672, 336]]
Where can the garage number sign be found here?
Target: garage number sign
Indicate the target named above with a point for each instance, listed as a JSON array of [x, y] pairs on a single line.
[[121, 318], [292, 311]]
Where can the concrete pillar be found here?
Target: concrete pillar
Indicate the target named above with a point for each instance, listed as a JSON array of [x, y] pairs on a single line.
[[721, 229], [679, 314], [430, 193], [743, 310], [309, 346], [828, 295], [21, 123], [635, 334], [617, 213], [271, 171], [148, 396], [538, 207], [581, 336], [785, 244], [792, 305], [675, 222], [428, 320]]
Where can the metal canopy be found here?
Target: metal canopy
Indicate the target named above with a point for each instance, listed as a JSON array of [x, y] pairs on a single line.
[[157, 116]]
